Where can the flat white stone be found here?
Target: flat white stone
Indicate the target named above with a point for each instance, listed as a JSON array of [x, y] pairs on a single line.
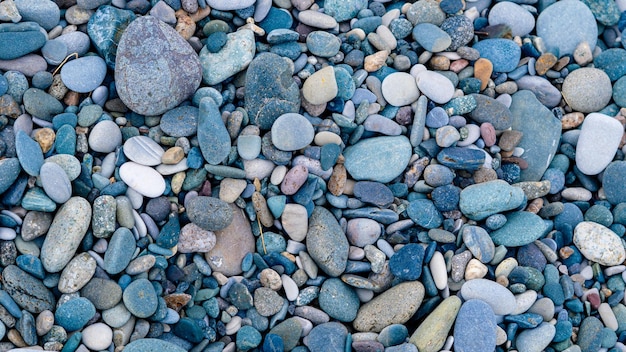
[[98, 336], [7, 234], [435, 86], [295, 222], [599, 244], [143, 179], [320, 87], [143, 150], [497, 296], [599, 139], [400, 89], [438, 270]]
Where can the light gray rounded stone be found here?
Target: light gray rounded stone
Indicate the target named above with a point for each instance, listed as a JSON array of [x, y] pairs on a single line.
[[143, 150], [292, 132], [55, 182]]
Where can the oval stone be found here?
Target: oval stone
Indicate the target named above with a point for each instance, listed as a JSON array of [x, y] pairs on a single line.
[[435, 86], [74, 314], [379, 159], [209, 213], [155, 68], [600, 136], [120, 251], [326, 242], [520, 229], [475, 327], [28, 292], [143, 150], [292, 132], [84, 74], [599, 244], [65, 234], [152, 345], [400, 89], [143, 179], [55, 182], [140, 298], [497, 296], [77, 273]]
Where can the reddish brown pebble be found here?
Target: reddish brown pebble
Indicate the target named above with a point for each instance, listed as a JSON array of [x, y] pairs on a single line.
[[337, 180], [544, 63], [488, 134], [572, 120], [483, 69]]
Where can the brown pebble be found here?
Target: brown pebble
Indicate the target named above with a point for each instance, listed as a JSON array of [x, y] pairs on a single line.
[[510, 139], [484, 174], [483, 68], [564, 61], [488, 134], [375, 61], [457, 65], [185, 26], [57, 89], [173, 156], [9, 107], [201, 14], [565, 252], [412, 175], [535, 205], [572, 120], [14, 336], [523, 164], [71, 98], [440, 62], [337, 181], [176, 301], [544, 63], [262, 211], [45, 137]]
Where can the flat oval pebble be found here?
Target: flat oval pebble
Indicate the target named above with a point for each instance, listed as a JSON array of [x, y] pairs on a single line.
[[55, 182], [152, 345], [499, 298], [516, 17], [552, 26], [292, 132], [143, 150], [84, 74], [598, 243], [475, 327], [435, 86], [140, 298], [378, 159], [105, 137], [399, 89], [587, 89], [143, 179], [326, 242], [599, 138], [209, 213]]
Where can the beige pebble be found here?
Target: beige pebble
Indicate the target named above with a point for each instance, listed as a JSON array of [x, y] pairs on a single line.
[[231, 189], [45, 137], [475, 270], [505, 267], [173, 156], [576, 194], [375, 61], [326, 137], [44, 322], [271, 279]]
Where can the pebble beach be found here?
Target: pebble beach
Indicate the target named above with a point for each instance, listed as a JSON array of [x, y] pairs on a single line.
[[323, 176]]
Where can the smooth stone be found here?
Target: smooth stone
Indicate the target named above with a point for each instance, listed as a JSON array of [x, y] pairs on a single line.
[[475, 327], [362, 231], [152, 345], [589, 334], [267, 94], [320, 87], [213, 136], [65, 234], [17, 40], [233, 243], [521, 228], [291, 132], [295, 222], [97, 336], [431, 37], [77, 273], [143, 150], [431, 334], [553, 26], [28, 292], [587, 89], [228, 5], [74, 314], [338, 300], [84, 74], [611, 61], [612, 181], [424, 213], [536, 339], [327, 337], [344, 10], [479, 243], [10, 170], [323, 44], [28, 65], [546, 93], [136, 81], [119, 251], [504, 54], [140, 298], [540, 132], [77, 42], [180, 122], [461, 158], [143, 179], [379, 159], [600, 136], [105, 28], [394, 306], [513, 15], [209, 213], [499, 298], [289, 331], [194, 239], [599, 244], [55, 182], [481, 200], [105, 136], [29, 153], [103, 293], [374, 193], [435, 86], [326, 242], [233, 57], [400, 89]]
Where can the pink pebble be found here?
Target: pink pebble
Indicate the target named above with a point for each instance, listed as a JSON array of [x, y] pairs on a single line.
[[488, 133]]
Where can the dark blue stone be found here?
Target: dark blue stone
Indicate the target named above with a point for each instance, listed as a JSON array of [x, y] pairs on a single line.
[[461, 158], [406, 263], [446, 198], [105, 28], [31, 264], [525, 321], [612, 62], [424, 213], [168, 236], [276, 18]]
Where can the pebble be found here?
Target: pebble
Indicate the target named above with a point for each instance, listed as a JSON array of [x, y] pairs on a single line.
[[400, 89], [552, 26], [292, 132], [536, 339], [234, 56], [143, 179], [435, 86], [598, 243], [593, 157], [143, 150], [513, 15], [498, 297], [105, 137], [84, 74], [431, 334], [587, 89], [503, 54], [364, 160], [475, 327]]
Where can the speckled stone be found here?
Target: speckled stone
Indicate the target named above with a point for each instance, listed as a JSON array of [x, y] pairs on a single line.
[[599, 244]]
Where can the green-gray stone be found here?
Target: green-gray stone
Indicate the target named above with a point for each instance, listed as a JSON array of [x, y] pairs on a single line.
[[432, 333], [379, 159], [521, 228], [233, 57], [104, 212]]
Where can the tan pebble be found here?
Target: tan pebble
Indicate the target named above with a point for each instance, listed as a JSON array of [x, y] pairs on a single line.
[[503, 280], [349, 188], [535, 206], [173, 156], [500, 336], [475, 270], [177, 182], [231, 189], [506, 266], [457, 65], [326, 137], [440, 62], [544, 63], [201, 14], [221, 278], [375, 61], [271, 279], [44, 322], [484, 174], [509, 140], [576, 193], [45, 137], [572, 120], [483, 68], [14, 337], [9, 107], [337, 181], [564, 61], [58, 89], [262, 211], [583, 54], [565, 252], [185, 26]]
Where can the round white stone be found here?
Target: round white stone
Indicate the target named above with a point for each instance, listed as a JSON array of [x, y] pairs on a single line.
[[599, 244], [143, 150], [97, 336], [295, 222], [400, 89], [599, 139], [435, 86], [143, 179]]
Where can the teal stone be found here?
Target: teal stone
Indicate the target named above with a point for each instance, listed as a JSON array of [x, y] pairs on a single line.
[[276, 204], [120, 251], [328, 155], [481, 200], [41, 104], [368, 24], [606, 12], [276, 18], [424, 213], [338, 300], [431, 37], [239, 296], [31, 264], [273, 243], [554, 26], [563, 330], [168, 236], [554, 291], [323, 44], [65, 141], [290, 50], [609, 338], [10, 170], [72, 342], [248, 338], [211, 307], [541, 131], [282, 35], [188, 329], [213, 136], [343, 10], [460, 105], [492, 111], [36, 199], [619, 92], [470, 85], [612, 62], [393, 335], [152, 345], [379, 159], [620, 314], [526, 320], [89, 114], [105, 29], [233, 57], [479, 243], [74, 314], [194, 179], [504, 54], [461, 158], [29, 153], [599, 214], [345, 84], [590, 334], [521, 228], [19, 39], [66, 118], [140, 298]]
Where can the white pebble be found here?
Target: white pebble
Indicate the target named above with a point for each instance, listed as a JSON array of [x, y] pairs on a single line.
[[291, 289], [97, 336]]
